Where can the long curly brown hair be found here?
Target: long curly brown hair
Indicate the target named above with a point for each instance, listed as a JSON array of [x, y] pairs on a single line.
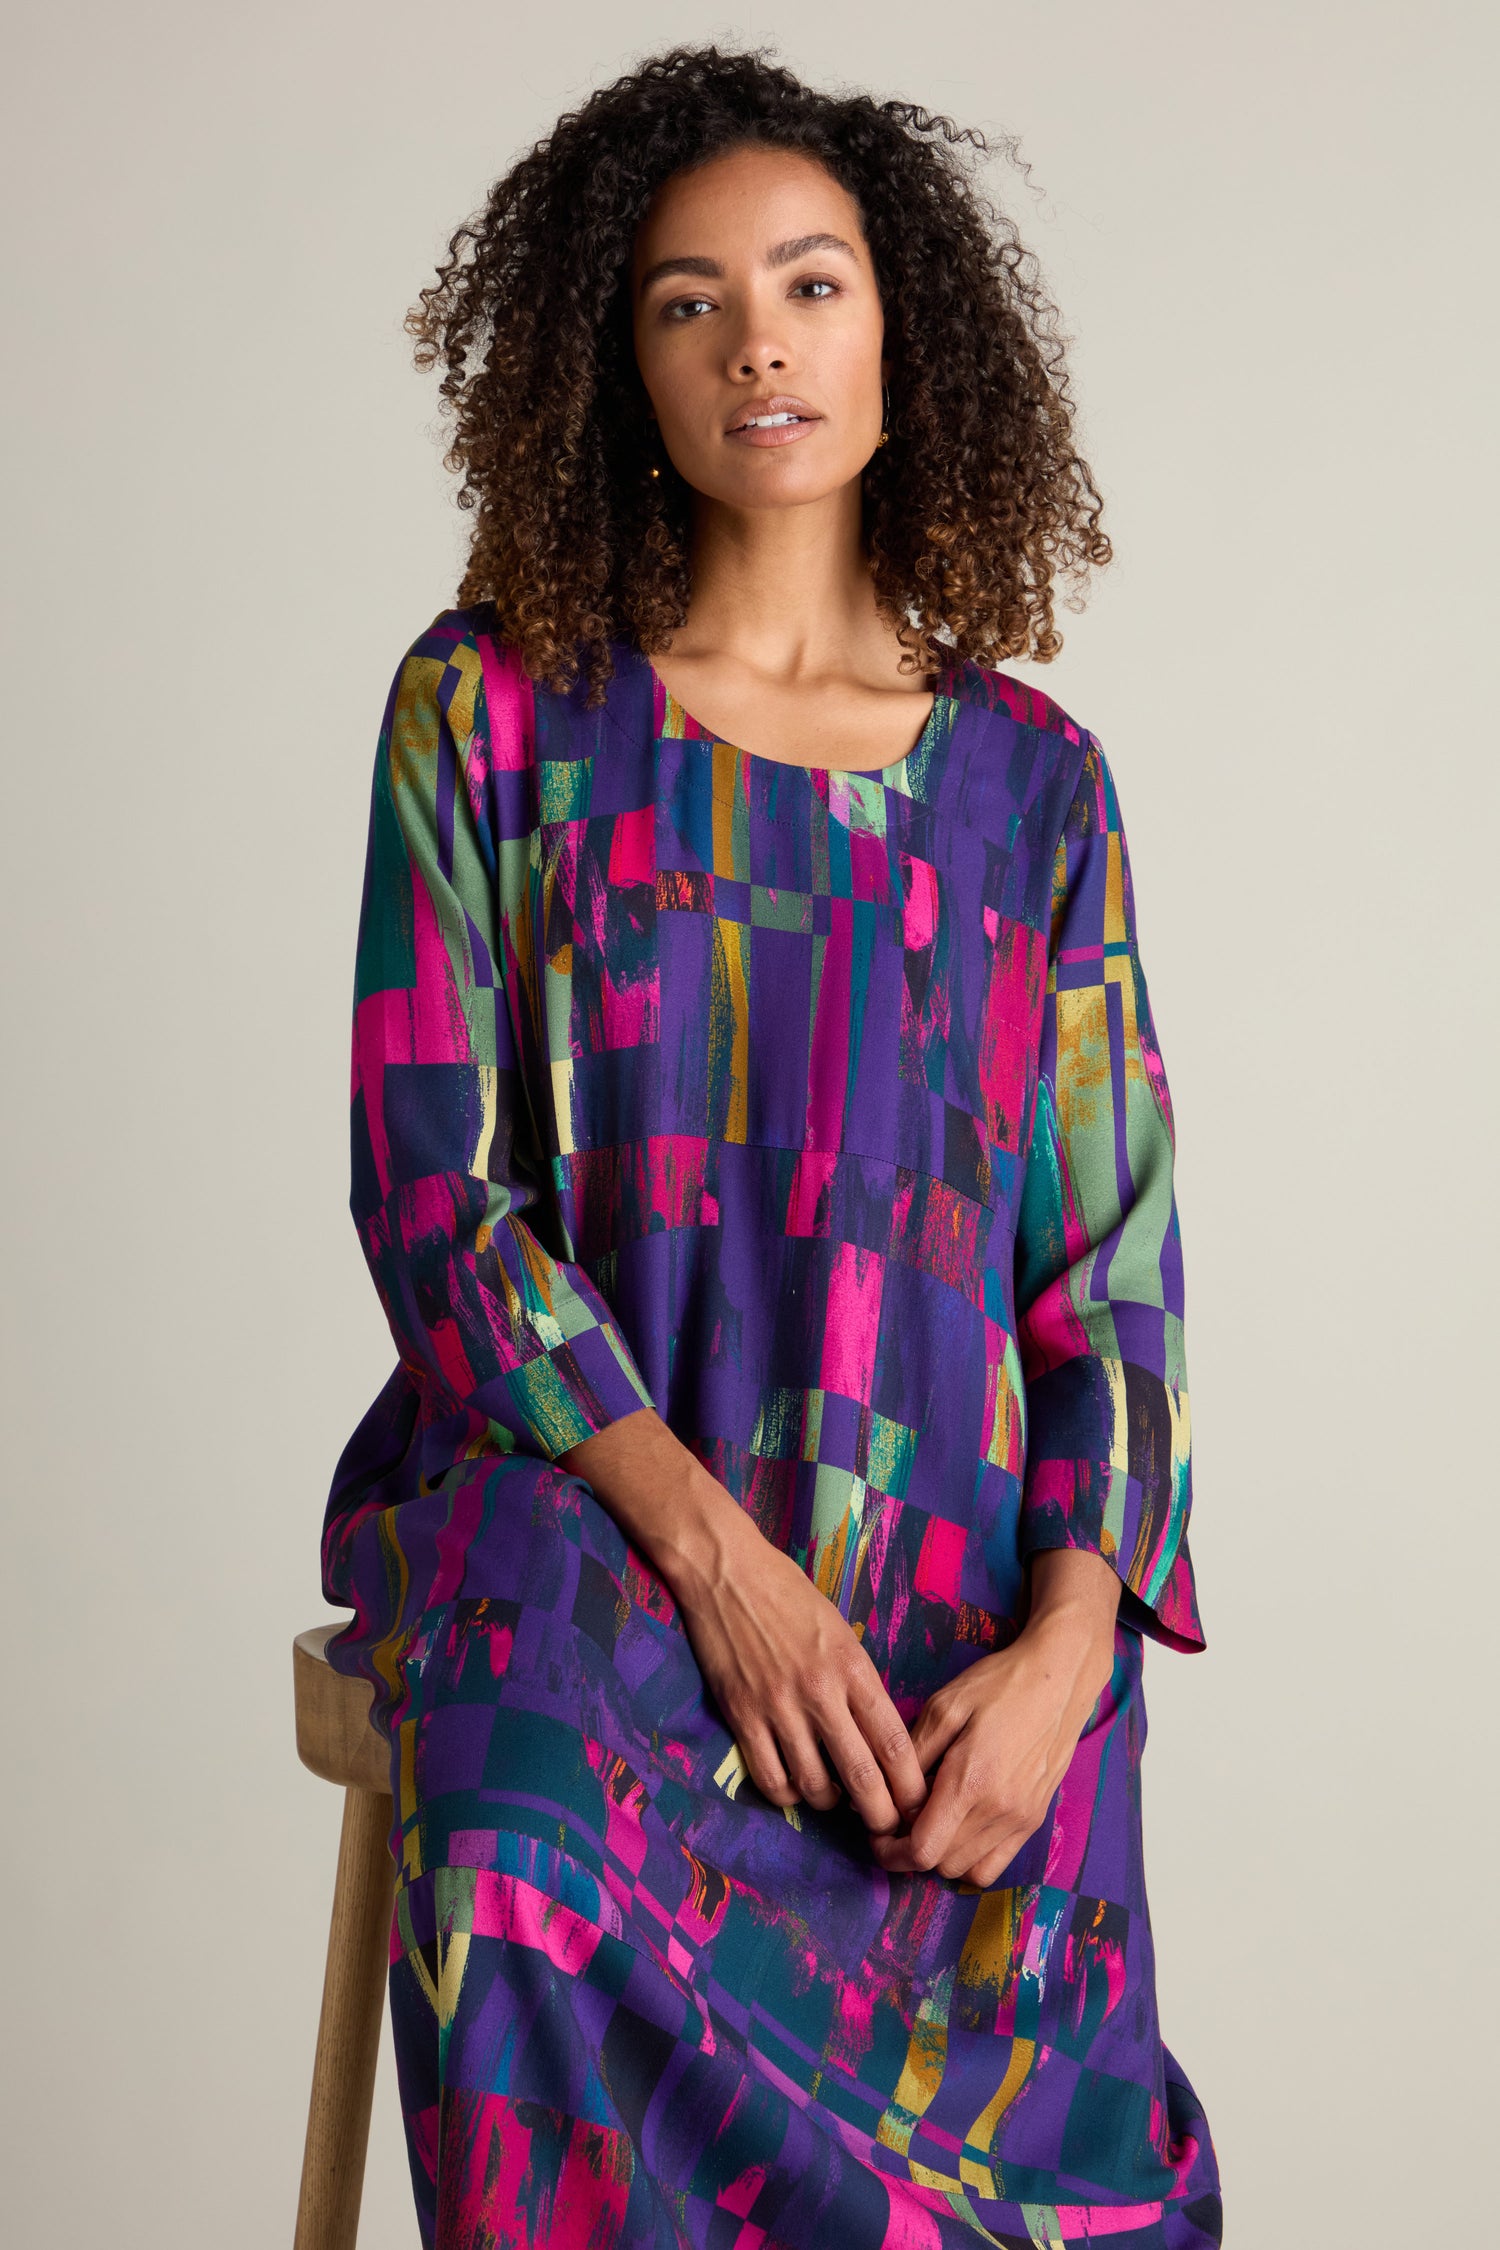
[[973, 506]]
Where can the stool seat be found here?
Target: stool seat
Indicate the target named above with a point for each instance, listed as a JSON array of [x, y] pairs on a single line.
[[334, 1735], [338, 1742]]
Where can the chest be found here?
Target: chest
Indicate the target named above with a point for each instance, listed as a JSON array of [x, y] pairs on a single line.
[[701, 947]]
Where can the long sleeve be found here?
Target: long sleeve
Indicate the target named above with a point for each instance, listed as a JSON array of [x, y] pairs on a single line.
[[1098, 1250], [445, 1163]]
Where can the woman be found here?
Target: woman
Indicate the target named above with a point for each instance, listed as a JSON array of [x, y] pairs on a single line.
[[761, 1150]]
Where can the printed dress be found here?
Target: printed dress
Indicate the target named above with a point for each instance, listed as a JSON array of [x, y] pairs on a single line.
[[822, 1111]]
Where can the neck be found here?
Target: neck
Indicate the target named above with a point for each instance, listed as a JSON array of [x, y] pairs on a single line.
[[784, 592]]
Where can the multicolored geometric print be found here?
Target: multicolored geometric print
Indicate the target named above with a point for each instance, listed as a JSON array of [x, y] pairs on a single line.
[[823, 1111]]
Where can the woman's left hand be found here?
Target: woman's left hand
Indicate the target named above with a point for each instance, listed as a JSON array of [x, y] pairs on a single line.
[[1007, 1727]]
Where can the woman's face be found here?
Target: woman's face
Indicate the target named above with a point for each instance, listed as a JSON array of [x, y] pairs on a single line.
[[752, 285]]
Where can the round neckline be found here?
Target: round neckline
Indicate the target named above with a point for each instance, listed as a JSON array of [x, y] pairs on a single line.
[[708, 738]]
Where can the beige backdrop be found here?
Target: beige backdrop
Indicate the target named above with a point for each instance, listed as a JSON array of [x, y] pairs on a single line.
[[1271, 230]]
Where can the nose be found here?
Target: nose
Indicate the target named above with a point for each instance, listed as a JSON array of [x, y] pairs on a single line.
[[761, 345]]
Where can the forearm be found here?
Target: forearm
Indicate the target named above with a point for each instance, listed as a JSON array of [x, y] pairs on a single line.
[[668, 1505]]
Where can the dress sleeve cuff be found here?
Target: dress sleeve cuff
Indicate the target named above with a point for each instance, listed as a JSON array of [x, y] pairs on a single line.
[[1104, 1511], [569, 1393]]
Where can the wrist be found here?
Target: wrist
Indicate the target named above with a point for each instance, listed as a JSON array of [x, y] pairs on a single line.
[[672, 1509], [1073, 1651], [1073, 1582], [695, 1544], [1074, 1605]]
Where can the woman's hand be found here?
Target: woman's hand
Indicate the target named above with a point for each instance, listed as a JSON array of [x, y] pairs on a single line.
[[1006, 1728], [783, 1666], [788, 1673]]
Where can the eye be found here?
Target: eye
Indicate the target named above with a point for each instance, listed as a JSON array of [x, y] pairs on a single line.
[[818, 282], [680, 305]]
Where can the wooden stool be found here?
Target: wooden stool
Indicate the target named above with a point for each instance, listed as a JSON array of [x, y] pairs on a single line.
[[336, 1739]]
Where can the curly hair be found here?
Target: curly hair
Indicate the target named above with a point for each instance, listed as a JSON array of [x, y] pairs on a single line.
[[974, 504]]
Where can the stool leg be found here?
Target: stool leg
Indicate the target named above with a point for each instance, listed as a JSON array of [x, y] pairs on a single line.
[[338, 2115]]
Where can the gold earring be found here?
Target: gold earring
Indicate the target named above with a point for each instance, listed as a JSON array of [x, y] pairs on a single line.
[[884, 432]]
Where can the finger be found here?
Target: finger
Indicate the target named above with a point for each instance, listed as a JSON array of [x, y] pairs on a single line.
[[932, 1831], [979, 1846], [991, 1845], [976, 1838], [941, 1719], [991, 1865], [804, 1763], [861, 1773], [758, 1748], [884, 1730]]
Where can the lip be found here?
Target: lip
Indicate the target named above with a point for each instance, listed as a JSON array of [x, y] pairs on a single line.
[[785, 433]]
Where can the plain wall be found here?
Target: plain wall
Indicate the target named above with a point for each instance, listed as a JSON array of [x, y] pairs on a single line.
[[1270, 230]]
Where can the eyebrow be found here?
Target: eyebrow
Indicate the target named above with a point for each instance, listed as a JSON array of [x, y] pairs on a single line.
[[709, 269]]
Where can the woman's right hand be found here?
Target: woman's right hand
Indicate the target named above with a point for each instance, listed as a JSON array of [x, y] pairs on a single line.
[[789, 1673], [785, 1669]]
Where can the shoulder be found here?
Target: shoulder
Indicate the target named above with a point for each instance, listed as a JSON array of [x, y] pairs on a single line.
[[458, 673], [1028, 706], [1054, 764], [1080, 787]]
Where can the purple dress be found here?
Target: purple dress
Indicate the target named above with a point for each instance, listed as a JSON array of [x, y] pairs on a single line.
[[823, 1112]]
